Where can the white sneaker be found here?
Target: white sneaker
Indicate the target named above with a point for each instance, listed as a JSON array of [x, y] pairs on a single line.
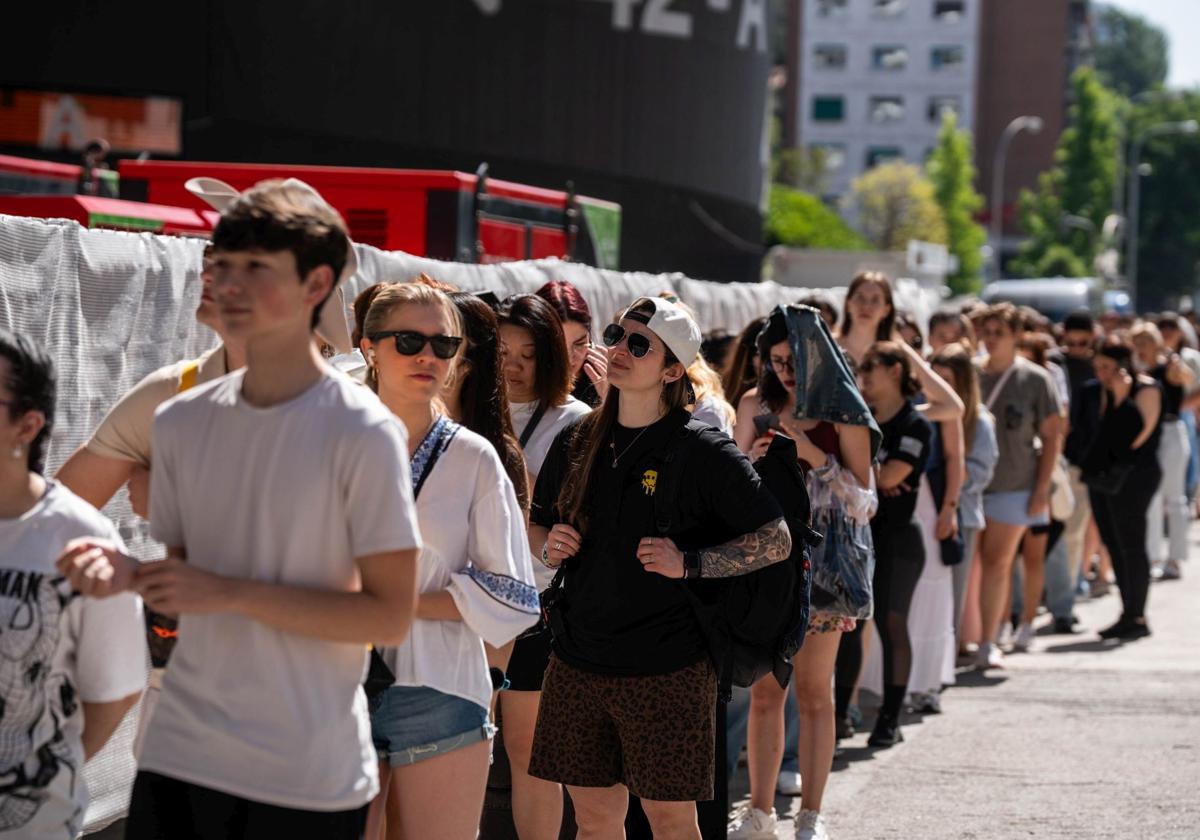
[[1005, 639], [810, 826], [1023, 643], [753, 824], [989, 656], [788, 784], [927, 702]]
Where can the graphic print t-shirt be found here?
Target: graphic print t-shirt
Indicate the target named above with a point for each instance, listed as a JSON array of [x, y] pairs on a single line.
[[57, 651]]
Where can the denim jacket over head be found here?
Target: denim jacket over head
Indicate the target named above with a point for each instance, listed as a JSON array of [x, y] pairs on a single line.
[[825, 387]]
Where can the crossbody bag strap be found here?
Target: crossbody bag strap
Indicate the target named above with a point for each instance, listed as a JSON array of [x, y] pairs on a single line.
[[527, 432], [436, 442], [994, 394]]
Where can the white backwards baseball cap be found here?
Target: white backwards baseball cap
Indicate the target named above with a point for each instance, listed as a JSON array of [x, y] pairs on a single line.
[[333, 325], [671, 323]]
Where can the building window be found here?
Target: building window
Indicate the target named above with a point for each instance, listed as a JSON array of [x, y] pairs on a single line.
[[889, 8], [890, 59], [947, 58], [828, 108], [887, 109], [832, 8], [939, 106], [832, 155], [949, 11], [830, 56], [882, 154]]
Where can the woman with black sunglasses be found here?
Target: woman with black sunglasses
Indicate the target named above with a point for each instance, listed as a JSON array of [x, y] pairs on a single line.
[[474, 577], [629, 701], [537, 373]]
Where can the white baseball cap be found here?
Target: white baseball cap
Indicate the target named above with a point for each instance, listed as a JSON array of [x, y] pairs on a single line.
[[333, 325], [671, 323]]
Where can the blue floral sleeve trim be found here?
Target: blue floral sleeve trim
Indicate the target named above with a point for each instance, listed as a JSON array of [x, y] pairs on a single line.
[[436, 440], [508, 591]]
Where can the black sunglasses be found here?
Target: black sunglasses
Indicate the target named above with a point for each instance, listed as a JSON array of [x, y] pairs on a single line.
[[637, 343], [410, 343]]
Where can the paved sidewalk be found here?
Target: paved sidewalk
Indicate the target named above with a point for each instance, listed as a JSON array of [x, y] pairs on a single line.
[[1079, 739]]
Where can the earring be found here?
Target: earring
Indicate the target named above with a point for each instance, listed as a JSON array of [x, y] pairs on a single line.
[[18, 452]]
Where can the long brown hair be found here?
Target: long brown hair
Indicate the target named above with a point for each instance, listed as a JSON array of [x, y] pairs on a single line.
[[876, 278], [966, 385], [483, 400], [592, 434], [738, 376]]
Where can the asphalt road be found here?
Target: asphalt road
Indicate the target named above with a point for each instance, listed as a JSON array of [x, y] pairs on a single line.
[[1078, 739]]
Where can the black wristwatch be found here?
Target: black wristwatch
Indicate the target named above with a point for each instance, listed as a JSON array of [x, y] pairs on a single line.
[[691, 565]]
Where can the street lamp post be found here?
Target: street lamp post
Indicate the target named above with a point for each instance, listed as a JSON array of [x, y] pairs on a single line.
[[1135, 195], [1033, 125]]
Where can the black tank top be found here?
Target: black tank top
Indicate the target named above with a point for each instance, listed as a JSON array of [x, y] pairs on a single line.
[[1172, 394]]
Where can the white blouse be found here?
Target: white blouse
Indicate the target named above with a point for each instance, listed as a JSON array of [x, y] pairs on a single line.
[[538, 447], [474, 546]]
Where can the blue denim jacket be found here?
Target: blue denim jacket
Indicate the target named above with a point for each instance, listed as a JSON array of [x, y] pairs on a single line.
[[825, 387]]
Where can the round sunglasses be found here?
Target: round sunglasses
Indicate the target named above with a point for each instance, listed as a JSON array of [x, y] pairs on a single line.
[[410, 343], [637, 344]]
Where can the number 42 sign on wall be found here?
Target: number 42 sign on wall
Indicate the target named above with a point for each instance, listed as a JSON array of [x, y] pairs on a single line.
[[659, 18]]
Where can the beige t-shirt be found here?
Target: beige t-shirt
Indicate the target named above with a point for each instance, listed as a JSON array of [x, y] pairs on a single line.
[[124, 434]]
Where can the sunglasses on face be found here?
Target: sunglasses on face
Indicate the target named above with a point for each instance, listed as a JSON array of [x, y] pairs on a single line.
[[637, 344], [870, 364], [410, 343]]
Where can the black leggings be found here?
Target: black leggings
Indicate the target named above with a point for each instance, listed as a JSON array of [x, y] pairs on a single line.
[[1121, 519], [899, 560]]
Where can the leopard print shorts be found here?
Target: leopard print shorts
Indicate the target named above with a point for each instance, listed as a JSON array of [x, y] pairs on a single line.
[[655, 735]]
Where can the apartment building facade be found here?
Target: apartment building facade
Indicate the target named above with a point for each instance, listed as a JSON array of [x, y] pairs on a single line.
[[876, 77]]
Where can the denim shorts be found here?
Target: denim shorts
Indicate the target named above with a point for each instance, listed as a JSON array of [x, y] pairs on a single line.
[[1012, 508], [414, 723]]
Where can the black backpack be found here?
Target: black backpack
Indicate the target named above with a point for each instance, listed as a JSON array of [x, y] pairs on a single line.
[[753, 623]]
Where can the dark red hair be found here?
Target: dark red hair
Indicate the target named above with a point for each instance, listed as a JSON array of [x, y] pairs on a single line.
[[567, 302]]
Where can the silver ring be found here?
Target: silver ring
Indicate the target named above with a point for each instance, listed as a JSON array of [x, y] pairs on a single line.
[[558, 546]]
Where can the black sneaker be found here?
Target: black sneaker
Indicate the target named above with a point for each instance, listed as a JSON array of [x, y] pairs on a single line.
[[1135, 630], [886, 733], [845, 728], [1065, 626], [1117, 630]]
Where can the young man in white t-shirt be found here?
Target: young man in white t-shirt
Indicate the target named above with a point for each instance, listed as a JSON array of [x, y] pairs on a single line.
[[283, 495]]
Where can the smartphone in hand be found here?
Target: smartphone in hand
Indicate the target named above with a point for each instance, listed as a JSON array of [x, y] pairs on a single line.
[[764, 423]]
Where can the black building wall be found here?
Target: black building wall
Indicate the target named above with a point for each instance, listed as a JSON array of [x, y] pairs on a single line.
[[656, 105]]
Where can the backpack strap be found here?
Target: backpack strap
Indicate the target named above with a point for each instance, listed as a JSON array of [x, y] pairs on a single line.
[[668, 478], [187, 378]]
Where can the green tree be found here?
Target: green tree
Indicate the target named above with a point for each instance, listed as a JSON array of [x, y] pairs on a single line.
[[1169, 238], [802, 168], [1081, 182], [1131, 54], [798, 219], [953, 175], [896, 203]]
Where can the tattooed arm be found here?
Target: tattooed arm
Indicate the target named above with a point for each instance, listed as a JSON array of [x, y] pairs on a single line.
[[770, 544]]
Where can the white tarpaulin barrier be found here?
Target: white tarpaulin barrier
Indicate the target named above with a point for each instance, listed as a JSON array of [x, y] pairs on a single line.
[[111, 307]]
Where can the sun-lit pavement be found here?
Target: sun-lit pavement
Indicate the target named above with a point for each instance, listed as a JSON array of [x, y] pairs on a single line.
[[1079, 739]]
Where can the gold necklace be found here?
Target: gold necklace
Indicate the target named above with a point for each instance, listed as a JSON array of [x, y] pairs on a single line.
[[613, 445]]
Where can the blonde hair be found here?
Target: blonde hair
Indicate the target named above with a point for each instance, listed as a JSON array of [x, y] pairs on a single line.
[[1149, 330], [965, 384], [706, 382], [388, 297]]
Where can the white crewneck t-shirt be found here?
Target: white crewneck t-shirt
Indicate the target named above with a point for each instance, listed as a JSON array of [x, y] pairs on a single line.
[[474, 545], [57, 651], [290, 494], [553, 421]]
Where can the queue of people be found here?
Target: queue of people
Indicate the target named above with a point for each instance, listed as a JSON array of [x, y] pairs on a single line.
[[362, 576]]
